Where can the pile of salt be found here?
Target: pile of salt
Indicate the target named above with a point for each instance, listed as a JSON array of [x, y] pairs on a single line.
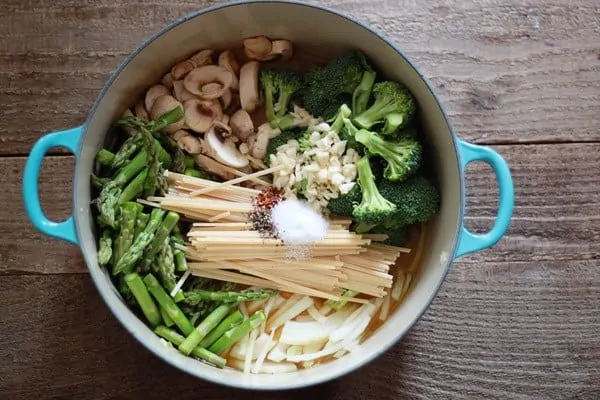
[[297, 223]]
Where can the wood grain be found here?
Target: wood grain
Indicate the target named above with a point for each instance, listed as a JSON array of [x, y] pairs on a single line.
[[507, 70], [519, 331]]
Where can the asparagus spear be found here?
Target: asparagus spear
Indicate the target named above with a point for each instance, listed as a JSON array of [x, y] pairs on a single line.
[[134, 188], [180, 260], [140, 224], [166, 302], [109, 196], [177, 339], [189, 162], [161, 234], [150, 148], [192, 297], [204, 328], [164, 266], [99, 182], [234, 334], [105, 248], [136, 250], [194, 173], [129, 214], [165, 317], [105, 157], [128, 149], [166, 119], [339, 304], [140, 292], [232, 320]]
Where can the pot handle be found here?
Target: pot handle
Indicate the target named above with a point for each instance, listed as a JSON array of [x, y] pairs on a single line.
[[69, 139], [469, 242]]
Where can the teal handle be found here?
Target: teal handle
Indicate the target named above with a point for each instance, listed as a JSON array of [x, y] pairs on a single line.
[[469, 242], [69, 139]]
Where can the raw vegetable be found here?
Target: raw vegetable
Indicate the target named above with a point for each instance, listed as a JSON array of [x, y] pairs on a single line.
[[373, 208]]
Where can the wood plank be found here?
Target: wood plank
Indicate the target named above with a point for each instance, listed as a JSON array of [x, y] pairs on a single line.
[[510, 330], [555, 218], [507, 70], [23, 249]]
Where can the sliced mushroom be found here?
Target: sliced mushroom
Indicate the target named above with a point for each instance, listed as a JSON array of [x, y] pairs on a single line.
[[282, 48], [222, 128], [179, 134], [226, 99], [259, 149], [167, 80], [164, 104], [235, 103], [190, 144], [214, 167], [223, 150], [181, 93], [249, 94], [200, 114], [153, 93], [181, 69], [258, 48], [225, 119], [241, 124], [228, 61], [140, 111], [203, 57], [198, 79], [251, 140]]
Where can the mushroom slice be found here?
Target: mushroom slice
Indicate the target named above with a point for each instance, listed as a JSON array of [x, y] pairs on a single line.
[[200, 114], [259, 148], [241, 124], [214, 167], [222, 128], [283, 48], [228, 61], [181, 93], [153, 93], [198, 80], [226, 99], [167, 80], [165, 104], [190, 144], [140, 111], [223, 150], [203, 57], [179, 134], [181, 69], [225, 119], [249, 94], [258, 48]]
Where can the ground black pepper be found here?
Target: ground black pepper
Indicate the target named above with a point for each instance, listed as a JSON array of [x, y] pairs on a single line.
[[260, 217]]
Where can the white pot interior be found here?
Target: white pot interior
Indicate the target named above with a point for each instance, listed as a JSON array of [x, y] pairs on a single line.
[[305, 26]]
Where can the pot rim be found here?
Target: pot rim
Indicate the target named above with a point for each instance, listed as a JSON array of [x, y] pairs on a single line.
[[121, 315]]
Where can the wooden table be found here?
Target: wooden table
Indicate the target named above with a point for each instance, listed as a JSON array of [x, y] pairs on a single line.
[[520, 320]]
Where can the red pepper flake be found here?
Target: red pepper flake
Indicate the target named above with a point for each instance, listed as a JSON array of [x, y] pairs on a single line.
[[260, 217]]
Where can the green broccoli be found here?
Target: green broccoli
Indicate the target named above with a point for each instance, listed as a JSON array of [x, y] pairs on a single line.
[[398, 234], [394, 105], [362, 93], [280, 140], [416, 199], [278, 88], [374, 208], [403, 157], [324, 87], [344, 204]]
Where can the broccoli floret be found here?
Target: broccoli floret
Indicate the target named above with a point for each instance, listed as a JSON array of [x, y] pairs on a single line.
[[374, 208], [278, 141], [416, 199], [394, 105], [362, 93], [398, 235], [278, 88], [403, 157], [325, 86], [344, 204]]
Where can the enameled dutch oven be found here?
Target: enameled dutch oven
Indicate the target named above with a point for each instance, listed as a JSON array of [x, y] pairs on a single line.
[[306, 25]]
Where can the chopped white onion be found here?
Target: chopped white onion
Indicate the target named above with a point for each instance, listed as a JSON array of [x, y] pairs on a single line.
[[268, 367], [278, 352], [313, 312], [267, 344], [291, 312]]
